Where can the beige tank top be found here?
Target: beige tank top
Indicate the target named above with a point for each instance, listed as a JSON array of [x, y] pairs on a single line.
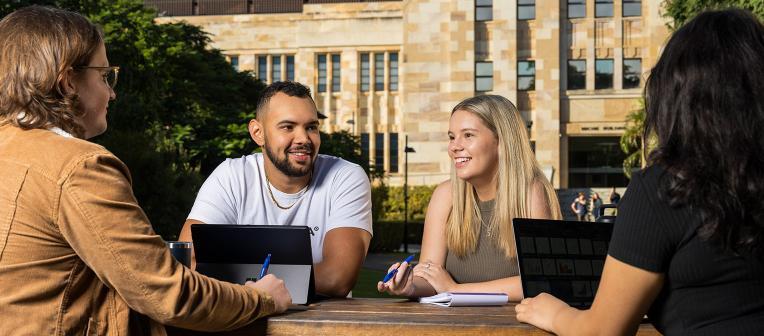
[[488, 262]]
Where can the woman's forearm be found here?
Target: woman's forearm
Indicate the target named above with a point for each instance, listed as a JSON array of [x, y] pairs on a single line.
[[511, 286], [422, 288]]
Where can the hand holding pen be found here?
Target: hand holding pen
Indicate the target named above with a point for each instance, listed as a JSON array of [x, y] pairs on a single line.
[[275, 287], [401, 284], [392, 273], [263, 269]]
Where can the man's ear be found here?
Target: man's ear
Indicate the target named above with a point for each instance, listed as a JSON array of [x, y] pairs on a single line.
[[256, 131], [67, 84]]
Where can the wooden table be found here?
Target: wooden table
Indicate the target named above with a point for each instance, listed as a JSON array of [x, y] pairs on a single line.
[[397, 317]]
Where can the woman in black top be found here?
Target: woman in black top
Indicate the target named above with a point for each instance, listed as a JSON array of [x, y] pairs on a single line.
[[688, 249]]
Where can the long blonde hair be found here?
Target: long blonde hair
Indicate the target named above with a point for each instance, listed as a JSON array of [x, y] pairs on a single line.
[[518, 171]]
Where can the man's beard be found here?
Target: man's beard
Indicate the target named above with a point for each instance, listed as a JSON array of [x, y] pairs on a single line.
[[286, 167]]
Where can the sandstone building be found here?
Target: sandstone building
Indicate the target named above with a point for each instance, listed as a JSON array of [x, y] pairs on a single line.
[[387, 70]]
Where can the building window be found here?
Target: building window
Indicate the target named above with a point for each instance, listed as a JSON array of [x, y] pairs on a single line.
[[526, 9], [632, 71], [379, 72], [234, 62], [393, 71], [379, 152], [262, 68], [379, 61], [336, 75], [321, 73], [380, 147], [483, 10], [365, 72], [632, 8], [603, 74], [526, 75], [276, 68], [576, 9], [393, 152], [576, 74], [603, 8], [290, 67], [365, 146], [483, 76]]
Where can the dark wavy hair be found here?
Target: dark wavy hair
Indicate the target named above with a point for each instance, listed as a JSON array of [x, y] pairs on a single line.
[[705, 103], [39, 45]]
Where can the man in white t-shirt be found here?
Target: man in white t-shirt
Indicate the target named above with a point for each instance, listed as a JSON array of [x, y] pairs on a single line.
[[290, 184]]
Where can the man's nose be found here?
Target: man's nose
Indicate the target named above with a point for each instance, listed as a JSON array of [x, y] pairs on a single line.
[[301, 136]]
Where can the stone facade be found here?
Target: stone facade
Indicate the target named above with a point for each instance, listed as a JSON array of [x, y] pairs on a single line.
[[434, 45]]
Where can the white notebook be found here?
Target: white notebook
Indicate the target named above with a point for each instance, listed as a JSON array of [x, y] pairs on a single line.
[[449, 299]]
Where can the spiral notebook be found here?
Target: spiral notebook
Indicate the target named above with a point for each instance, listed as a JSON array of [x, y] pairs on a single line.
[[449, 299]]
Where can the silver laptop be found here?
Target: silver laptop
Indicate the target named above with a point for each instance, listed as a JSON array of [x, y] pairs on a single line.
[[234, 253]]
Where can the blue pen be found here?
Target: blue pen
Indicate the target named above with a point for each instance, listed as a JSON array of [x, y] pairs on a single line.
[[266, 263], [393, 272]]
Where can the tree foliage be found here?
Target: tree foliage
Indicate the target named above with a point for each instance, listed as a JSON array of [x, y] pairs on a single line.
[[681, 11], [678, 12], [419, 199], [631, 140], [345, 145]]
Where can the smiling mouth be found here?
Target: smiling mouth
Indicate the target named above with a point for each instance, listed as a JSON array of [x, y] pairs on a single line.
[[461, 162], [300, 155]]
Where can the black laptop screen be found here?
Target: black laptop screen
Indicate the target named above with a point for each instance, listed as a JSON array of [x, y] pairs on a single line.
[[251, 243], [562, 258]]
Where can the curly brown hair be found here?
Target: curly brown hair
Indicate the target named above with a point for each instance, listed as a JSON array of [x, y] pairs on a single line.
[[40, 45]]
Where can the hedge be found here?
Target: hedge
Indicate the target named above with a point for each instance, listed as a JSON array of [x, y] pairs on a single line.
[[388, 235]]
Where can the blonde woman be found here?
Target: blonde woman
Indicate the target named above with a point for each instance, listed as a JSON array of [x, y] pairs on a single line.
[[468, 243]]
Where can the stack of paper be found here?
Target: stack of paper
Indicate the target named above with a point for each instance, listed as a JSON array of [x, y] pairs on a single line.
[[449, 299]]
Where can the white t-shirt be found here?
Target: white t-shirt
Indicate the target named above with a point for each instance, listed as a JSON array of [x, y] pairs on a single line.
[[339, 195]]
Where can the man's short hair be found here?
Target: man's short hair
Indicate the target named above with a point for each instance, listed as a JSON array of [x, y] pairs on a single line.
[[292, 89]]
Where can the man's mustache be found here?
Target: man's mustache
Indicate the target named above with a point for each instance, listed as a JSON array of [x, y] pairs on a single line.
[[307, 147]]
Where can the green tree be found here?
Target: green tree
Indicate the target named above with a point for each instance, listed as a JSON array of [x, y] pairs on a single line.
[[631, 140], [345, 145], [678, 12], [681, 11]]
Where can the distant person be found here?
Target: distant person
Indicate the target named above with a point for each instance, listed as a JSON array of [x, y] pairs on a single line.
[[77, 254], [694, 264], [468, 243], [578, 206], [289, 183], [595, 203], [615, 197]]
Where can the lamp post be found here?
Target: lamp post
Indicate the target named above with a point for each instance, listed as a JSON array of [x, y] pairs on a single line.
[[406, 151], [352, 122]]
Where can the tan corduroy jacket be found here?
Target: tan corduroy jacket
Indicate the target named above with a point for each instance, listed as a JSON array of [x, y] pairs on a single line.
[[79, 257]]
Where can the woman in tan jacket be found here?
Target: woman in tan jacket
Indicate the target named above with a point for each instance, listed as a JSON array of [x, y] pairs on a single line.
[[77, 254]]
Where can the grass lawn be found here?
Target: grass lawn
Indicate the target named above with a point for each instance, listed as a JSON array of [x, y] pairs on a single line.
[[366, 286]]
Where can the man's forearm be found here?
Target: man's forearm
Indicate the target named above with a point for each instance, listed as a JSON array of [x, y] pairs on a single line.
[[334, 282]]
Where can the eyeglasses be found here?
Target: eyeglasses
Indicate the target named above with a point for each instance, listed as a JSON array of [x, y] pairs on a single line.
[[109, 74]]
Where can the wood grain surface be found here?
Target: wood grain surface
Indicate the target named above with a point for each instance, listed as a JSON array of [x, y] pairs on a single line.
[[397, 317]]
